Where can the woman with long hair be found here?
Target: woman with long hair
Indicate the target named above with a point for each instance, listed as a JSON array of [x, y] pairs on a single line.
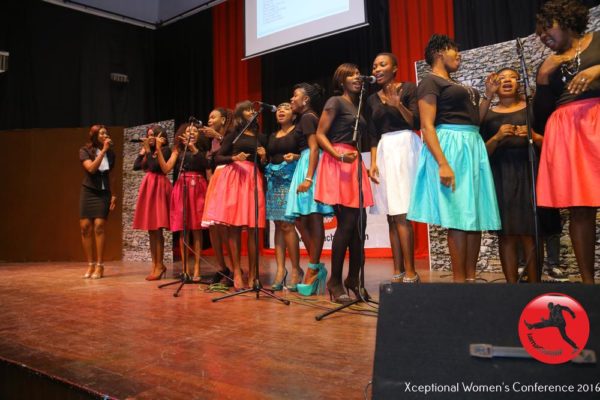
[[95, 200], [220, 124], [395, 150], [568, 98], [190, 188], [234, 205], [152, 207], [337, 181], [301, 205], [454, 187], [283, 150]]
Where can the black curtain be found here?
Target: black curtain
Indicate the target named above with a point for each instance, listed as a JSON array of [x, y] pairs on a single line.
[[316, 61], [483, 22], [184, 69], [60, 64]]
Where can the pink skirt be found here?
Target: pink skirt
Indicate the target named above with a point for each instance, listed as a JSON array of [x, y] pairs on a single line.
[[196, 190], [337, 182], [232, 197], [152, 208], [569, 170], [212, 183]]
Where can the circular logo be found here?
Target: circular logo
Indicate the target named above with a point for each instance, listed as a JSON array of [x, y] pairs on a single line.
[[554, 328], [329, 223]]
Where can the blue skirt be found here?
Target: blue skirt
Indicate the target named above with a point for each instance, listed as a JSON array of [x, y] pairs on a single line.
[[473, 205], [299, 204], [279, 177]]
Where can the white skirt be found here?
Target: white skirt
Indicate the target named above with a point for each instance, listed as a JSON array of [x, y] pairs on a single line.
[[397, 159]]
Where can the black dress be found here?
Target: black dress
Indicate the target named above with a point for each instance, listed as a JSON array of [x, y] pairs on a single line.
[[512, 178], [95, 195]]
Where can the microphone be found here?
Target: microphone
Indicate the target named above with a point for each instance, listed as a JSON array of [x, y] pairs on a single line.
[[266, 106], [368, 78], [519, 46], [195, 121]]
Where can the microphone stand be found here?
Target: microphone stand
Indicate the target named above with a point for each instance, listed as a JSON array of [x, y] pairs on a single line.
[[184, 277], [363, 295], [256, 285], [539, 251]]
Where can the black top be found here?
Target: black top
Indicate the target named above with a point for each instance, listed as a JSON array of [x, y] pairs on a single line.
[[342, 127], [548, 97], [245, 143], [150, 163], [193, 162], [456, 104], [514, 148], [278, 147], [386, 118], [98, 178], [306, 126]]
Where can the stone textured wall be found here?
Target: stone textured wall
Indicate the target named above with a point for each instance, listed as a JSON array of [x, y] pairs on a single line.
[[136, 244], [476, 65]]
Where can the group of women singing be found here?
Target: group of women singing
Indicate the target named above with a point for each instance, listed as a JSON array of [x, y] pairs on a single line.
[[471, 175]]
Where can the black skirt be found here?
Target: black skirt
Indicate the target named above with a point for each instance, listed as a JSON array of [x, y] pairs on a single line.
[[94, 203]]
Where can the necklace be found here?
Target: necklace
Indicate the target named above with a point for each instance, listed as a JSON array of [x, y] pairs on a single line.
[[571, 68], [469, 89]]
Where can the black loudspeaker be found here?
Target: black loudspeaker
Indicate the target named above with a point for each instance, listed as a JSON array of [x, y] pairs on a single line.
[[424, 333]]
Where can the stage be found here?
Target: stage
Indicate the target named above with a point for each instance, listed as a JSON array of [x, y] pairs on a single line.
[[123, 337]]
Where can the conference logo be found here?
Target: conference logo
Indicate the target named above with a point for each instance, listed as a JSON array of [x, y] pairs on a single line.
[[554, 328], [329, 223]]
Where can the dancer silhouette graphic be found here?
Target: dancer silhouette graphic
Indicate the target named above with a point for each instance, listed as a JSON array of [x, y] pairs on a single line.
[[556, 320]]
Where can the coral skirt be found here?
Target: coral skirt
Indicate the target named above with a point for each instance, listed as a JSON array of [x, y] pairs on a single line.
[[232, 198], [206, 222], [337, 181], [569, 172], [194, 201], [152, 207]]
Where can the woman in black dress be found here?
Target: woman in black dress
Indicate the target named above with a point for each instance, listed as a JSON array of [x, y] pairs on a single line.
[[504, 131], [96, 200]]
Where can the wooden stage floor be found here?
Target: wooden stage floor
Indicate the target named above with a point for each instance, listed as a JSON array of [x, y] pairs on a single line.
[[123, 337]]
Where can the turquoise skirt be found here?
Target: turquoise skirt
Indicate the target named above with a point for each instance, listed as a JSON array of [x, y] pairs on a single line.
[[279, 177], [304, 203], [473, 205]]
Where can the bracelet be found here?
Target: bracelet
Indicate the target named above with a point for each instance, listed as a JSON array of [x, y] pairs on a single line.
[[308, 179], [342, 157]]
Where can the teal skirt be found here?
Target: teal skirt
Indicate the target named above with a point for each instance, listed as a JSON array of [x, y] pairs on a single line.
[[473, 205], [299, 204], [279, 177]]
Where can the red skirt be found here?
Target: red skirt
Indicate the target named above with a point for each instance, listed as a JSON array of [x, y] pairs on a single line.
[[212, 183], [152, 208], [196, 190], [337, 181], [569, 170], [232, 197]]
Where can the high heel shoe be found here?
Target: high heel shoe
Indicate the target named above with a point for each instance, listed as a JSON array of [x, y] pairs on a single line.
[[353, 285], [98, 271], [220, 275], [90, 271], [293, 286], [158, 277], [397, 278], [414, 279], [277, 286], [317, 286], [337, 294]]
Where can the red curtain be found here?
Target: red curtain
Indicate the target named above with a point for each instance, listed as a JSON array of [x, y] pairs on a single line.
[[412, 22], [234, 80]]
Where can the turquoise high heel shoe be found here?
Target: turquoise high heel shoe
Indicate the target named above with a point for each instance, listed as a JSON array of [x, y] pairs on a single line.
[[293, 287], [318, 285], [277, 286]]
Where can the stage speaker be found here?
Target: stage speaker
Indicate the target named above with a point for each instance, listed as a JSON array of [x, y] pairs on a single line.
[[424, 333]]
